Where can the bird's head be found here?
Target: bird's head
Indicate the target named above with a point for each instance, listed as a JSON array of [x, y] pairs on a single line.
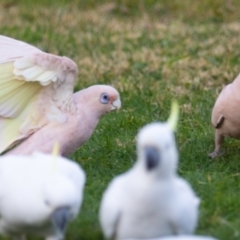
[[102, 98], [157, 152]]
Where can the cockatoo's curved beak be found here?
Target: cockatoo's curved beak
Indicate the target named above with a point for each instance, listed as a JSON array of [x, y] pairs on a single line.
[[152, 157], [116, 104]]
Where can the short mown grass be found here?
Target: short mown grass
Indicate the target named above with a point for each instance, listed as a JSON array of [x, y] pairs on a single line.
[[151, 51]]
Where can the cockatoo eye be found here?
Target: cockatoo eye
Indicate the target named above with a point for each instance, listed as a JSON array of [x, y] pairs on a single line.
[[104, 98]]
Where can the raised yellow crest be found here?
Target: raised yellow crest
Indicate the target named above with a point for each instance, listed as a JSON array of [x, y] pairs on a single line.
[[174, 116]]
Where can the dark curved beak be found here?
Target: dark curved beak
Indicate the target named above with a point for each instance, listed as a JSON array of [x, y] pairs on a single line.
[[152, 157]]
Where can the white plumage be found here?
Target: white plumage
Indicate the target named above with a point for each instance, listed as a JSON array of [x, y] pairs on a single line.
[[150, 200], [39, 195], [183, 237]]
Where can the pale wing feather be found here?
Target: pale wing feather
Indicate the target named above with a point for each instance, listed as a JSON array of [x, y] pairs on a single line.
[[23, 63], [30, 72], [11, 49], [17, 104], [6, 73], [11, 133], [18, 86], [15, 101], [47, 76], [27, 76], [7, 87], [14, 95], [31, 64]]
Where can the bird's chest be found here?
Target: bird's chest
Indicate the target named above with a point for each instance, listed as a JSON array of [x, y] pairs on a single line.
[[147, 213], [71, 136], [77, 132]]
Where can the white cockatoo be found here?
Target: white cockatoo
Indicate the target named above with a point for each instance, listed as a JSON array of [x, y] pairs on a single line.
[[37, 103], [182, 237], [39, 195], [150, 200]]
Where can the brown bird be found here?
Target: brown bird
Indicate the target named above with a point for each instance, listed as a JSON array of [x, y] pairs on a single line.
[[226, 116]]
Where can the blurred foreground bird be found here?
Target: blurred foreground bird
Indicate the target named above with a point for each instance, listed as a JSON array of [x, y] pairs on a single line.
[[182, 237], [37, 104], [226, 116], [39, 195], [150, 200]]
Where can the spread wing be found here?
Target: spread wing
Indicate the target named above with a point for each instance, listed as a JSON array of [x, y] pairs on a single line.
[[33, 85], [11, 49]]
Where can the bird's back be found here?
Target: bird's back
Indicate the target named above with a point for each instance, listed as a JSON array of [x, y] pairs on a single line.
[[225, 114]]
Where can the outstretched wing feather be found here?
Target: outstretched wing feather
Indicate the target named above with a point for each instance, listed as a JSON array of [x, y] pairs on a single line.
[[11, 49], [25, 71], [14, 94]]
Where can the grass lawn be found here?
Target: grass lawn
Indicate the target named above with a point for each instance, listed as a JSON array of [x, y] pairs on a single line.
[[151, 51]]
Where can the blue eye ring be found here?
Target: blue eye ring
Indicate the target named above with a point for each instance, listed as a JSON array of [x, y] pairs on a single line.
[[104, 98]]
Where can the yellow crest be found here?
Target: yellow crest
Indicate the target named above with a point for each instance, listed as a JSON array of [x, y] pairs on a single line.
[[55, 153], [174, 116]]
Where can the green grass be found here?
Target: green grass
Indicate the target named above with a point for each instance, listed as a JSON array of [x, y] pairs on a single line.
[[152, 52]]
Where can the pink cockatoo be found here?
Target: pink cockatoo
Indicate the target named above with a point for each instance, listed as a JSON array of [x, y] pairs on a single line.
[[225, 116], [37, 104]]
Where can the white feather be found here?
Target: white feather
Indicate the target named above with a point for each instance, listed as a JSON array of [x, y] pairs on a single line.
[[23, 63], [181, 237], [28, 200], [12, 49], [46, 76]]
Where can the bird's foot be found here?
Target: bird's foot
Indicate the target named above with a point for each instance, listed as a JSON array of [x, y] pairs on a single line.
[[215, 154]]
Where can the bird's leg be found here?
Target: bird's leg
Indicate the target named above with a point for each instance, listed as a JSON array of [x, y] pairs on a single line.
[[218, 142]]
